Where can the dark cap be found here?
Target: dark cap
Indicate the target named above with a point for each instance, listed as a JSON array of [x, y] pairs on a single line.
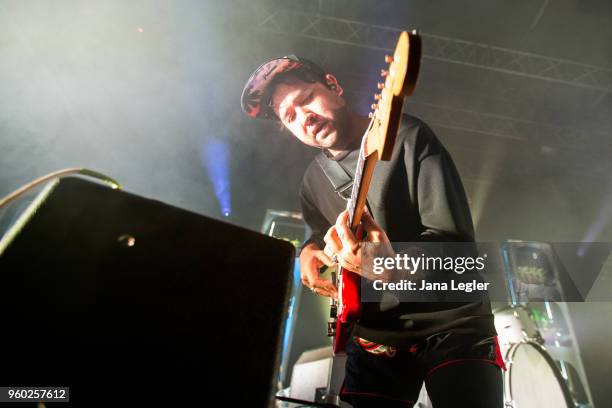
[[255, 89]]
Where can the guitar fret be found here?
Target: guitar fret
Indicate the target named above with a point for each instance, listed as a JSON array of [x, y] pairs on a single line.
[[357, 182]]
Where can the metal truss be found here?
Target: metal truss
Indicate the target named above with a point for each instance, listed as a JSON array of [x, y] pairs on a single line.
[[439, 48], [500, 126], [543, 135]]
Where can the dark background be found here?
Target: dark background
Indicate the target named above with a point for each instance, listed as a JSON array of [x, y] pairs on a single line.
[[519, 92]]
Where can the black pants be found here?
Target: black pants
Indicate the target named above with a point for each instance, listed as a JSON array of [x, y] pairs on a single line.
[[459, 370]]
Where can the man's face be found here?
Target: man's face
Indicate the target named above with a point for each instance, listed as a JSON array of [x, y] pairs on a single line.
[[315, 114]]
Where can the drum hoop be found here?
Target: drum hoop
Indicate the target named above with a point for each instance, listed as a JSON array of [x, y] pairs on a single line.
[[504, 308], [567, 395]]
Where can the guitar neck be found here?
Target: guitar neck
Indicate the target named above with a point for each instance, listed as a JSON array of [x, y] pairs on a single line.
[[361, 185]]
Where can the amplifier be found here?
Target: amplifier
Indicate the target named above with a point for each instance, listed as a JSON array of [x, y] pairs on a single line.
[[127, 299]]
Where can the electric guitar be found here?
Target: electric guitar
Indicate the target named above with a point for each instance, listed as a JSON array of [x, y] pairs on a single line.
[[377, 144]]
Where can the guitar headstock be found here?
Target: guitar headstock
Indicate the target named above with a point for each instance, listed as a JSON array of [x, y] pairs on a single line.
[[400, 80]]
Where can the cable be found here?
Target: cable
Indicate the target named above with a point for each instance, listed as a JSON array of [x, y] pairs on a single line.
[[60, 173]]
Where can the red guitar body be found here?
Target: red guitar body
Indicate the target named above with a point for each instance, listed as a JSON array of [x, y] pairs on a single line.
[[351, 311]]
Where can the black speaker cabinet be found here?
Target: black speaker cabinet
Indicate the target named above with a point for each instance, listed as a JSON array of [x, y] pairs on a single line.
[[126, 299]]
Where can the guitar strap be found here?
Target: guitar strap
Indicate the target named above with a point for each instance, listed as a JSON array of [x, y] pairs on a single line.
[[340, 179]]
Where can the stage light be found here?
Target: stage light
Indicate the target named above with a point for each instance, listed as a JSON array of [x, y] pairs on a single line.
[[215, 158], [597, 226]]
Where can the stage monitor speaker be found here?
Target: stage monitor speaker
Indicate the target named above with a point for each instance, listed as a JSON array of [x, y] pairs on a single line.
[[126, 299], [318, 376]]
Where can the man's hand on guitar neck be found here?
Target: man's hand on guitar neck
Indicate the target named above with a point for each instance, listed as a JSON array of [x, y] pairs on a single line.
[[312, 259]]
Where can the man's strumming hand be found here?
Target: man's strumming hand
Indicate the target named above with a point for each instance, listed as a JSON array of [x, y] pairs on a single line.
[[312, 259]]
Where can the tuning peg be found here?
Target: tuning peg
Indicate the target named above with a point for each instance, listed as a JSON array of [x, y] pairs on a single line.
[[374, 106], [377, 97], [388, 59], [380, 85], [384, 72]]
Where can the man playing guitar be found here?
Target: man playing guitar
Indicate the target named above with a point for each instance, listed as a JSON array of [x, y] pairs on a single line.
[[416, 196]]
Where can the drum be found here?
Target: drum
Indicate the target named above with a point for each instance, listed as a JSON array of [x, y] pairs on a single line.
[[532, 379]]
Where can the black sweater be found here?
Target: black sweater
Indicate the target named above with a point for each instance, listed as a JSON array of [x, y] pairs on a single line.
[[417, 196]]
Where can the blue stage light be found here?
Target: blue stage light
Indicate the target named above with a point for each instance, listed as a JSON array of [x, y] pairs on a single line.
[[215, 158]]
